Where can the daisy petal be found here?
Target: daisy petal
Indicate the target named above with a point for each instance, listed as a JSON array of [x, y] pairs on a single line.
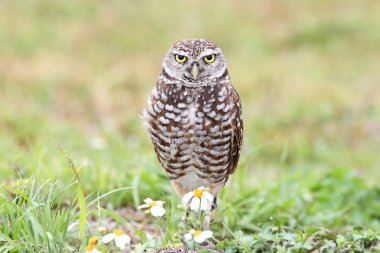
[[109, 237], [207, 234], [187, 197], [195, 203], [204, 204], [122, 240], [160, 203], [148, 200], [199, 239], [188, 237], [157, 211], [143, 206], [208, 196]]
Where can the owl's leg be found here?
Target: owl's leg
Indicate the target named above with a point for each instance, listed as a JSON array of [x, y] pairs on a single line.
[[207, 221], [214, 204], [208, 217]]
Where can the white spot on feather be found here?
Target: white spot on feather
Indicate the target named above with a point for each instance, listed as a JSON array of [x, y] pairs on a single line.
[[192, 110], [220, 106], [164, 120]]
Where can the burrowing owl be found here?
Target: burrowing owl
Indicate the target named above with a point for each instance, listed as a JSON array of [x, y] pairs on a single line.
[[194, 117]]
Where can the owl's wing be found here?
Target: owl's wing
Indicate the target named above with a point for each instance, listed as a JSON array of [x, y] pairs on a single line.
[[151, 115], [160, 125], [237, 138]]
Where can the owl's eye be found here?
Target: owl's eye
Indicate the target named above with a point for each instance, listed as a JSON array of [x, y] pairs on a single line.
[[209, 58], [180, 58]]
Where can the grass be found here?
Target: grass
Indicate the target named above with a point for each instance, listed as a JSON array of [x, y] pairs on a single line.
[[77, 77], [301, 213], [35, 218]]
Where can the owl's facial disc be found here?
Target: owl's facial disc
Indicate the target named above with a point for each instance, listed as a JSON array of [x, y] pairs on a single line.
[[194, 62]]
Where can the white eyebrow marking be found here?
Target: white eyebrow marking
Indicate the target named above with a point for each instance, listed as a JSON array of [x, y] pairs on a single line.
[[180, 53]]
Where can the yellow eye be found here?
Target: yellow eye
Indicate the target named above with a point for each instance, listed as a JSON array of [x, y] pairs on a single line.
[[209, 58], [180, 58]]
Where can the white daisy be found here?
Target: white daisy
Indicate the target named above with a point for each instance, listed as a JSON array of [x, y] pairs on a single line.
[[199, 199], [121, 239], [198, 236], [91, 248], [155, 207]]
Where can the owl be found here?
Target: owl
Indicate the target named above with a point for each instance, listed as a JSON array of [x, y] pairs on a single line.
[[194, 117]]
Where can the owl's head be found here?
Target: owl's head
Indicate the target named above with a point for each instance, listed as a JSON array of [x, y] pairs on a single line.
[[194, 61]]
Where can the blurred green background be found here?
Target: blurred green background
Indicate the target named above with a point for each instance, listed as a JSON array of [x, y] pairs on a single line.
[[77, 75]]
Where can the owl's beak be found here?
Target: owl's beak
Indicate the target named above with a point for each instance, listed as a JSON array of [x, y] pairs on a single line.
[[195, 71]]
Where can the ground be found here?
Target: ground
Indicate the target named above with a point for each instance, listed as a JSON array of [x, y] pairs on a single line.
[[75, 77]]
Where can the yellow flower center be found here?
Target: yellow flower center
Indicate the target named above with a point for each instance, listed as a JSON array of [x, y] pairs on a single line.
[[198, 193], [118, 232], [94, 240], [197, 233], [90, 247], [152, 204]]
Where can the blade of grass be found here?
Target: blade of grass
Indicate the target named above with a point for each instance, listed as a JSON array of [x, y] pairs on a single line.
[[80, 195], [106, 194]]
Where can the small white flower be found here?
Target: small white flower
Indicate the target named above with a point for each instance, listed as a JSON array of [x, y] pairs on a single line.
[[198, 236], [199, 199], [121, 239], [91, 248], [155, 207]]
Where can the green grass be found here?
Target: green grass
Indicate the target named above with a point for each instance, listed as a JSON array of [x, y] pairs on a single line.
[[35, 218], [77, 76], [301, 213]]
